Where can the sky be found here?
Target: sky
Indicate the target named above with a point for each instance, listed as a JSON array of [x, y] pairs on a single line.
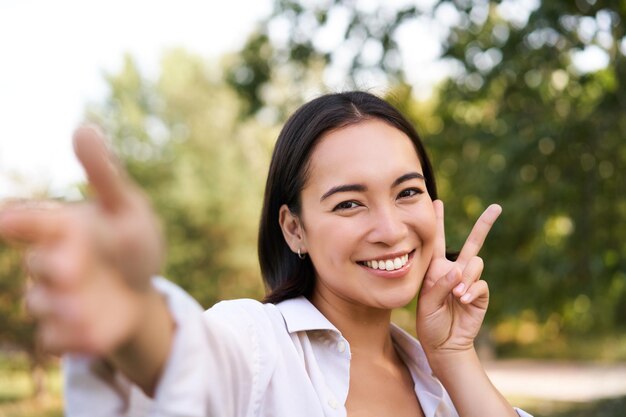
[[53, 55]]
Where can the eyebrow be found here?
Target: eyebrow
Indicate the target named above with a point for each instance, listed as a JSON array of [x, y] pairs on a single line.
[[361, 188], [406, 177]]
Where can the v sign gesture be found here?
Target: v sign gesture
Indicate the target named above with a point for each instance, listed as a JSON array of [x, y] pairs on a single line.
[[453, 299], [452, 305]]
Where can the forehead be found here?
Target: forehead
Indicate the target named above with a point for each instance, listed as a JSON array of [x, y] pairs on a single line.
[[368, 150]]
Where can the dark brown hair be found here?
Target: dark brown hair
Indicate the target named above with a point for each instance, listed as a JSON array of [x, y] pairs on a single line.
[[284, 273]]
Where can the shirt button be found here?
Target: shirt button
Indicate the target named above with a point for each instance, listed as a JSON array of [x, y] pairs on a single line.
[[333, 403], [341, 346]]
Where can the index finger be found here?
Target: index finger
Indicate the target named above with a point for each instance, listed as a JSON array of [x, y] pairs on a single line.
[[476, 238], [30, 225], [105, 177], [440, 233]]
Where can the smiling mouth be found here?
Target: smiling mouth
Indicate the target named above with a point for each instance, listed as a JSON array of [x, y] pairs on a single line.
[[390, 264]]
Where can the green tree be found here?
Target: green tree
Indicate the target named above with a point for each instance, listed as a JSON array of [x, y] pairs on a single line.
[[522, 119], [182, 140], [17, 327], [541, 135]]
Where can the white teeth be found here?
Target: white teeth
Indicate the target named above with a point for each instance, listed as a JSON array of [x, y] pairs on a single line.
[[397, 263], [388, 264]]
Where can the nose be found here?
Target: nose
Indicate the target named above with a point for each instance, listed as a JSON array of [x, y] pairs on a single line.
[[388, 226]]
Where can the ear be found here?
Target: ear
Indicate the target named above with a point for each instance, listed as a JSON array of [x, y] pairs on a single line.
[[292, 229]]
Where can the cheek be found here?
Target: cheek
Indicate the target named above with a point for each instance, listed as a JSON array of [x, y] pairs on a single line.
[[333, 243], [425, 224], [430, 227]]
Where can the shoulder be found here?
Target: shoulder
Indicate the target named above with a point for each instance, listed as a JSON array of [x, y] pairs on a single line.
[[246, 334], [243, 310], [247, 320]]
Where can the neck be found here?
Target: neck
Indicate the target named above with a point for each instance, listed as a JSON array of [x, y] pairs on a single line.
[[365, 328]]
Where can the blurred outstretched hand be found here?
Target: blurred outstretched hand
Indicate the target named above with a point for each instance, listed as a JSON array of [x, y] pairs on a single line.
[[90, 263]]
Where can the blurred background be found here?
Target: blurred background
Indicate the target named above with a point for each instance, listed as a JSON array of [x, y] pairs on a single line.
[[519, 102]]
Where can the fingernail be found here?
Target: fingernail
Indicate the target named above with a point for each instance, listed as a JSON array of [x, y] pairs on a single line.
[[90, 126], [497, 208], [459, 288], [466, 297]]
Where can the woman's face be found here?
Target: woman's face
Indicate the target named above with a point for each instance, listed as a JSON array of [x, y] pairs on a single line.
[[368, 220]]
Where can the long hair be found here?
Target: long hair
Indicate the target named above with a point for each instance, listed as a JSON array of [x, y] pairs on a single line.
[[284, 273]]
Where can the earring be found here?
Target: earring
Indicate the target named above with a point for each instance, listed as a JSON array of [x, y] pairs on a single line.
[[301, 255]]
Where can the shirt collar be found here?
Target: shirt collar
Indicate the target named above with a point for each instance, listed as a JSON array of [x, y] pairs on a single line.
[[301, 315], [428, 388], [410, 346]]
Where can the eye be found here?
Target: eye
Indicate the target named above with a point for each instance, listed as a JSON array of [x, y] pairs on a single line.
[[346, 205], [409, 192]]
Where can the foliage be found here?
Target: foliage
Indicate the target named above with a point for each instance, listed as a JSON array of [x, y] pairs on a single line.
[[203, 168], [16, 383], [17, 388], [519, 121], [524, 119], [540, 136], [17, 328]]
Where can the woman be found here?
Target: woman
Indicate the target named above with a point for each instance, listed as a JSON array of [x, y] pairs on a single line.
[[350, 230]]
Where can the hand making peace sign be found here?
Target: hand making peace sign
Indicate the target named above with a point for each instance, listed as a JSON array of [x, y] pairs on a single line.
[[453, 299]]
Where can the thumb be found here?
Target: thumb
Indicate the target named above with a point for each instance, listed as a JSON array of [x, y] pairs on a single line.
[[434, 297]]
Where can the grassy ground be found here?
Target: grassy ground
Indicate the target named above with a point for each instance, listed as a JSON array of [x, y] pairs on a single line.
[[614, 407], [30, 408], [604, 408], [16, 390]]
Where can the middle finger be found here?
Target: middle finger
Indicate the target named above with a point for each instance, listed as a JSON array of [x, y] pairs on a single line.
[[471, 273]]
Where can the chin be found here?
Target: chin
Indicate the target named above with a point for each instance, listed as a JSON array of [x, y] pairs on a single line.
[[397, 299]]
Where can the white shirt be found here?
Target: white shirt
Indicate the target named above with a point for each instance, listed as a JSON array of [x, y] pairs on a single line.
[[243, 358]]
